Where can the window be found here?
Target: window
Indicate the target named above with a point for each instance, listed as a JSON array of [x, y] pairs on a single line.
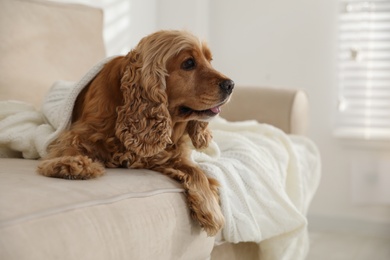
[[364, 70]]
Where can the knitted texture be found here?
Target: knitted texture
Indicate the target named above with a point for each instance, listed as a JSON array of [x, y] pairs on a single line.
[[267, 182], [27, 132]]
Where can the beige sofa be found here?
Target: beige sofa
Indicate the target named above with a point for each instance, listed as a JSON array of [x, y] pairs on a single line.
[[126, 214]]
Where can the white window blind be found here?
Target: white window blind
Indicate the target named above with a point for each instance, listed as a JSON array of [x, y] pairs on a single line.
[[364, 70]]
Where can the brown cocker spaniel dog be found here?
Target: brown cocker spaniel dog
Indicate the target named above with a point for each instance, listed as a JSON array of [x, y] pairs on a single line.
[[140, 111]]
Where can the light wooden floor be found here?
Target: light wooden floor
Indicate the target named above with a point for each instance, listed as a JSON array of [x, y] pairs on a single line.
[[341, 246]]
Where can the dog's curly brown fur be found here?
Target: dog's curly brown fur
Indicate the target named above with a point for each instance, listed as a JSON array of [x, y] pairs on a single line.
[[140, 111]]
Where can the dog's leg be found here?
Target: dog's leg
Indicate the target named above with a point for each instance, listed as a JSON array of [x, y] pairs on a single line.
[[203, 199], [71, 167], [202, 195], [67, 160]]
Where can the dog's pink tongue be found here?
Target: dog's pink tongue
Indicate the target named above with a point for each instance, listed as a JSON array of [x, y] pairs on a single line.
[[216, 110]]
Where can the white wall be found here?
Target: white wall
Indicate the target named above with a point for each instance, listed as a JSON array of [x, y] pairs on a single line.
[[293, 44], [184, 14], [125, 21]]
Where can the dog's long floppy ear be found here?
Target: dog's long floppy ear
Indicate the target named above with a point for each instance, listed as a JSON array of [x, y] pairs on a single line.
[[143, 125], [199, 133]]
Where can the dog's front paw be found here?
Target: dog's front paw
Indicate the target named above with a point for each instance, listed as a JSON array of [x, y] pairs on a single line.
[[71, 167], [211, 222], [207, 212]]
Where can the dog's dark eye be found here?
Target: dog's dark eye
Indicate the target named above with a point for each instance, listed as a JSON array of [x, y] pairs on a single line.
[[188, 64]]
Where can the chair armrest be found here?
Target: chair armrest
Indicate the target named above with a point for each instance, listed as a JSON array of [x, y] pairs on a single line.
[[286, 109]]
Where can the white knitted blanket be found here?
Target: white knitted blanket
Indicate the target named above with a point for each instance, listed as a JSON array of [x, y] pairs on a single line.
[[267, 181], [267, 177], [27, 132]]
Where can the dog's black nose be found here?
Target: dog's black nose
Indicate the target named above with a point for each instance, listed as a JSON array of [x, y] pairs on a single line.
[[227, 85]]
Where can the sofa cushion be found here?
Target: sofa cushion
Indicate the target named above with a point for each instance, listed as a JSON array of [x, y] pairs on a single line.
[[126, 214], [41, 42]]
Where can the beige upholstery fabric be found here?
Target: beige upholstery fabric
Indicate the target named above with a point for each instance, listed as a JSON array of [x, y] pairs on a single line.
[[229, 251], [42, 42], [286, 109], [126, 214]]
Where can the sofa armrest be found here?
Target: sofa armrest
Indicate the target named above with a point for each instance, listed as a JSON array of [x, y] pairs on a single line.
[[286, 109]]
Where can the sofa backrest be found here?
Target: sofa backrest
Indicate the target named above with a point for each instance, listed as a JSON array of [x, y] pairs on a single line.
[[42, 42]]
